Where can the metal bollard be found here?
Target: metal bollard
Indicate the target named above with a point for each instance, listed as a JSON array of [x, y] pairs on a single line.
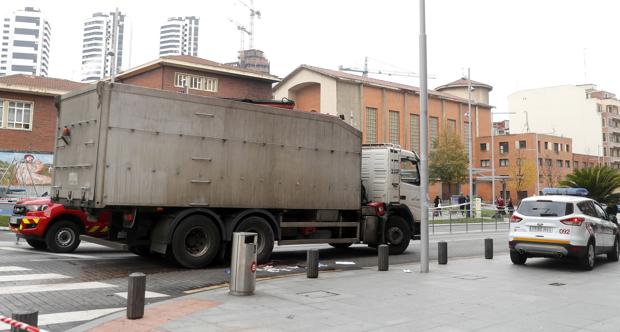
[[384, 257], [488, 248], [442, 255], [135, 295], [27, 316], [243, 263], [312, 270]]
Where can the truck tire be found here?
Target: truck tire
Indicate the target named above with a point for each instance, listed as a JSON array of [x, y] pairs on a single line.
[[63, 237], [397, 234], [37, 244], [261, 227], [195, 242]]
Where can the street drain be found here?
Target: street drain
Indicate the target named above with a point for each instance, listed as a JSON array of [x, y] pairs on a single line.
[[469, 277], [556, 284], [317, 294]]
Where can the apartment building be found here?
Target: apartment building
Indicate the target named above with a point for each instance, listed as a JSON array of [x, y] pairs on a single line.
[[25, 43], [586, 114], [389, 112], [97, 43], [179, 36]]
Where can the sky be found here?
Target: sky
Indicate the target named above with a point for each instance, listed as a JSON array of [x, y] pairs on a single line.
[[509, 44]]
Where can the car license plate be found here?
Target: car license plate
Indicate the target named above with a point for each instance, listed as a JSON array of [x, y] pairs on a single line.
[[14, 221], [541, 229]]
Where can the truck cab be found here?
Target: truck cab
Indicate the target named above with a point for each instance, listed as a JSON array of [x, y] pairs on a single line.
[[391, 175]]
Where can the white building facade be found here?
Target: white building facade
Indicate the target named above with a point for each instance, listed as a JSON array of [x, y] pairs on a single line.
[[179, 36], [25, 43], [97, 43], [582, 112]]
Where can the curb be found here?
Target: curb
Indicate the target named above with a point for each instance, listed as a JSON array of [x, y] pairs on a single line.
[[6, 229]]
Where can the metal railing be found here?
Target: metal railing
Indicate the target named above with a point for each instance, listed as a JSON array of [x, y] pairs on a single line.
[[459, 218]]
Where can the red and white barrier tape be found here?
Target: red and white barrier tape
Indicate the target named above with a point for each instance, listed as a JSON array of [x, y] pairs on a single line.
[[20, 325]]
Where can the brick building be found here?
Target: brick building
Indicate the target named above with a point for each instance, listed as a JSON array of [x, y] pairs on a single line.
[[27, 112], [521, 158], [388, 112], [200, 77]]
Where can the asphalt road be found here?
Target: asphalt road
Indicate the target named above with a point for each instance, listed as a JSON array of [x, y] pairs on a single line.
[[69, 289]]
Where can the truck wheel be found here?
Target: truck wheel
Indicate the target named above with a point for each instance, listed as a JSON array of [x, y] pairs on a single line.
[[261, 227], [37, 244], [195, 242], [63, 236], [341, 245], [397, 234]]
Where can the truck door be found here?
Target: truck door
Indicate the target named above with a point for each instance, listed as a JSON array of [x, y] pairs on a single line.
[[410, 185]]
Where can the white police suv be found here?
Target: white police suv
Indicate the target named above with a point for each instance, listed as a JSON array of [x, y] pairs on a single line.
[[562, 223]]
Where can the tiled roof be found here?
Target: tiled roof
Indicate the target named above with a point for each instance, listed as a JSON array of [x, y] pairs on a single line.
[[39, 83], [199, 64], [373, 81], [463, 82]]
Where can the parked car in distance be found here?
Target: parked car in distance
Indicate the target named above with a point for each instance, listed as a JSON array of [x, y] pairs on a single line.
[[563, 223]]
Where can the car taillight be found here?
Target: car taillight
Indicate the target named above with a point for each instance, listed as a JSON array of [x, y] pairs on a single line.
[[574, 221], [379, 208], [515, 218]]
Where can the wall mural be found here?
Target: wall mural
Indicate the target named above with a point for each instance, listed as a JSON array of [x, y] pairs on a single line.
[[25, 169]]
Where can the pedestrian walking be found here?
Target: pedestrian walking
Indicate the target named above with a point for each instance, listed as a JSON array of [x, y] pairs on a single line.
[[468, 206], [461, 201], [500, 206], [510, 206], [437, 204]]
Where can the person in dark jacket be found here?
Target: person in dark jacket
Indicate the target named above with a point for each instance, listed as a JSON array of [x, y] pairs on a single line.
[[462, 201], [437, 204]]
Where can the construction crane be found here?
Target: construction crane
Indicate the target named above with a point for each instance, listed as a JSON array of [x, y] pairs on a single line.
[[253, 13], [243, 31], [365, 71]]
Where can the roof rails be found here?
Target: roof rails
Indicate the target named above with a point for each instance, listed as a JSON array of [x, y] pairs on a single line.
[[566, 191]]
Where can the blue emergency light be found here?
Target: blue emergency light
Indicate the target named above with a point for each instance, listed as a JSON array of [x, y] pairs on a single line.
[[566, 191]]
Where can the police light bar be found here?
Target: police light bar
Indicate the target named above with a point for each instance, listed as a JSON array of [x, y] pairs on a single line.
[[566, 191]]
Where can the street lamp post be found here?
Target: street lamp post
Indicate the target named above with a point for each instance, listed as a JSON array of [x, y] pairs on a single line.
[[471, 141], [423, 143]]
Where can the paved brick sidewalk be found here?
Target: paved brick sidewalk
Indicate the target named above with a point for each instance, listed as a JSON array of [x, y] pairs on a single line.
[[466, 295]]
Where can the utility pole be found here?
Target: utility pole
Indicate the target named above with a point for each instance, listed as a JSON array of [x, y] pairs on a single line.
[[471, 142], [423, 142], [114, 46]]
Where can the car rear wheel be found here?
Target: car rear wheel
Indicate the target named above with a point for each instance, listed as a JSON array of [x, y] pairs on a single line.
[[261, 227], [397, 235], [517, 258], [63, 237], [614, 254], [195, 242], [37, 244], [587, 261]]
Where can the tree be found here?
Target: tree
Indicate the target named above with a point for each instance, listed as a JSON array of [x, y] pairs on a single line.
[[601, 181], [448, 160], [522, 174]]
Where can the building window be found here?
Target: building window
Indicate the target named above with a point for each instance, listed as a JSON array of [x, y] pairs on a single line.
[[548, 162], [414, 126], [503, 147], [567, 163], [546, 145], [371, 125], [556, 147], [539, 161], [559, 163], [485, 163], [484, 147], [567, 148], [503, 162], [19, 115], [394, 127], [433, 130], [604, 137], [195, 82], [451, 125], [522, 144], [575, 164]]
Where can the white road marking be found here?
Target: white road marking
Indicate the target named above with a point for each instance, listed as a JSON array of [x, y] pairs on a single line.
[[82, 259], [53, 287], [36, 276], [12, 268], [47, 253], [147, 295], [69, 317]]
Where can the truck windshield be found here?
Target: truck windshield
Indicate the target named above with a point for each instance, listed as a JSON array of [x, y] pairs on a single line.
[[409, 171], [545, 208]]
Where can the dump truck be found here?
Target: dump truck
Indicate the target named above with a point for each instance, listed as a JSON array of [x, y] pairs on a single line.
[[179, 173]]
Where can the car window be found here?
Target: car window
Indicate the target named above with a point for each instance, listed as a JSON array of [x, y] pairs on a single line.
[[587, 208], [600, 212], [409, 171], [545, 208]]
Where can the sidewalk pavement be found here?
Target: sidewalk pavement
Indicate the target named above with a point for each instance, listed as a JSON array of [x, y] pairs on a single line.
[[471, 294]]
